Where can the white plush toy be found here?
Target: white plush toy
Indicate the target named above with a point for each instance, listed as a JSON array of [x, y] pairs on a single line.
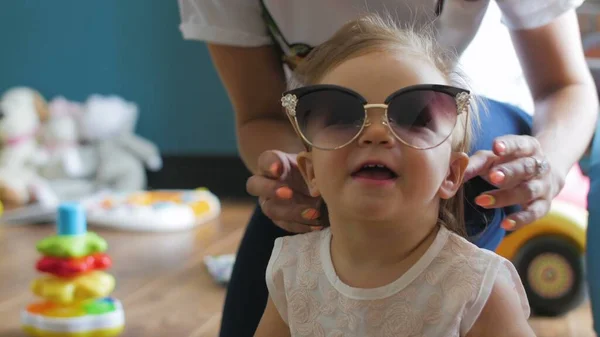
[[68, 168], [22, 111], [107, 124], [60, 141]]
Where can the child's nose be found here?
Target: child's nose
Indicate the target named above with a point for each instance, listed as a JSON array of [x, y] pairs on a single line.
[[376, 133]]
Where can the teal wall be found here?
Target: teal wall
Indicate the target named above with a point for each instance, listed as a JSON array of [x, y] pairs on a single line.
[[132, 48]]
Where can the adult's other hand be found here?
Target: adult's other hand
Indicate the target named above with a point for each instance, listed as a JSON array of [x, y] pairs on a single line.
[[517, 166]]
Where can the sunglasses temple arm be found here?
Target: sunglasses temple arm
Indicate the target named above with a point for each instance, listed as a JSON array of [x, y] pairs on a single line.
[[294, 123], [466, 131]]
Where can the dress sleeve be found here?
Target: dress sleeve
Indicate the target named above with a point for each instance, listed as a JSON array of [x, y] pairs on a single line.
[[229, 22], [275, 279], [498, 270], [508, 273], [524, 14]]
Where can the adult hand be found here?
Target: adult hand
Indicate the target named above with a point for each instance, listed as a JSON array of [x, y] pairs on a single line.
[[517, 166], [282, 192]]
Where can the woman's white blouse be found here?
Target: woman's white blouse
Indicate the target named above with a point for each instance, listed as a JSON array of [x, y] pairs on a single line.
[[477, 29]]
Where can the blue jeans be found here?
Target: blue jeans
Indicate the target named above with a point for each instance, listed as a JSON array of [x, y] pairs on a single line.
[[247, 292]]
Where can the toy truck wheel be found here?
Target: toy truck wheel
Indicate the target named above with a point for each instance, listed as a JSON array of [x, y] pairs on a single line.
[[552, 271]]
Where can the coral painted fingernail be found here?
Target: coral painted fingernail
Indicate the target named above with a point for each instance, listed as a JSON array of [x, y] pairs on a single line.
[[485, 200], [500, 147], [315, 228], [509, 224], [310, 214], [497, 177], [284, 193], [274, 169]]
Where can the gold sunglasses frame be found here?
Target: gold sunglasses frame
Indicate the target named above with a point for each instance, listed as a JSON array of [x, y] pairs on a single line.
[[289, 101]]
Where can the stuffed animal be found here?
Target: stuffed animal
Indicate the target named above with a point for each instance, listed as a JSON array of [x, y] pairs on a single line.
[[60, 141], [107, 126], [70, 173], [22, 110]]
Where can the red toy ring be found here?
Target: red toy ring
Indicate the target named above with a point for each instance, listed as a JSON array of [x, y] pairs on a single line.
[[73, 266]]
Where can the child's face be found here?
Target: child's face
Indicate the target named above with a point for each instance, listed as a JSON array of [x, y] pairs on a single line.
[[419, 177]]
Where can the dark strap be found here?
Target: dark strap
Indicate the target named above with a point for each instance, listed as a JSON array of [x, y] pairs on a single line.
[[299, 50], [439, 7]]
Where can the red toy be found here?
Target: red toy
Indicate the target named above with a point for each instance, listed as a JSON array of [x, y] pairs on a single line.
[[72, 267]]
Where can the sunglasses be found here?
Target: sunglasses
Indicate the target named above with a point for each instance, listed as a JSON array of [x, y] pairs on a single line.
[[329, 117]]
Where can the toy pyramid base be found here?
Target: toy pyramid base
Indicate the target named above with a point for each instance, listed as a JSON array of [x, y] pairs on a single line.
[[109, 324], [111, 332]]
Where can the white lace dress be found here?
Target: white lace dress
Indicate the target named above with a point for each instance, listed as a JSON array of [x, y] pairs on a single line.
[[441, 295]]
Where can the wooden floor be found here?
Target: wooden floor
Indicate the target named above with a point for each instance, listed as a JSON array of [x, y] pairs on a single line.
[[162, 281]]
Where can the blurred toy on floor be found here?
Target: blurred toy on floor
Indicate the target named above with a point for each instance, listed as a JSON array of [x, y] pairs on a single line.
[[153, 211], [75, 289], [66, 150], [548, 253], [67, 171], [220, 267], [60, 141], [107, 127], [22, 113]]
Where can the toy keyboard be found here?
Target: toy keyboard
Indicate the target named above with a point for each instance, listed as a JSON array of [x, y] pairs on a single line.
[[154, 211], [150, 211]]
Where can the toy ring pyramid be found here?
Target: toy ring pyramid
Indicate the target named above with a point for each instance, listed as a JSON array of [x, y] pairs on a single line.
[[75, 289]]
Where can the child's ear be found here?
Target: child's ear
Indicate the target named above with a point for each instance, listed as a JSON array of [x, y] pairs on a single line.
[[456, 172], [305, 166]]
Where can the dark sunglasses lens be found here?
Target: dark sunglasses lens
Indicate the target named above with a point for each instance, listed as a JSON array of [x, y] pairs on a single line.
[[423, 118], [329, 118]]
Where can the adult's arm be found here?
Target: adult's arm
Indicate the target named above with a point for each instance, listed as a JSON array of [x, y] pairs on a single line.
[[547, 40], [565, 97], [254, 80], [250, 70]]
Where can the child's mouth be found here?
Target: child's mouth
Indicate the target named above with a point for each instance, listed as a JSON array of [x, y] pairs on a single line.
[[376, 172]]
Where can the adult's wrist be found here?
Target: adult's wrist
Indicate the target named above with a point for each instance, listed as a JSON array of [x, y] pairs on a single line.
[[559, 164]]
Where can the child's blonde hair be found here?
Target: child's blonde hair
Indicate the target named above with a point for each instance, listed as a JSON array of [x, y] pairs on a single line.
[[374, 33]]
